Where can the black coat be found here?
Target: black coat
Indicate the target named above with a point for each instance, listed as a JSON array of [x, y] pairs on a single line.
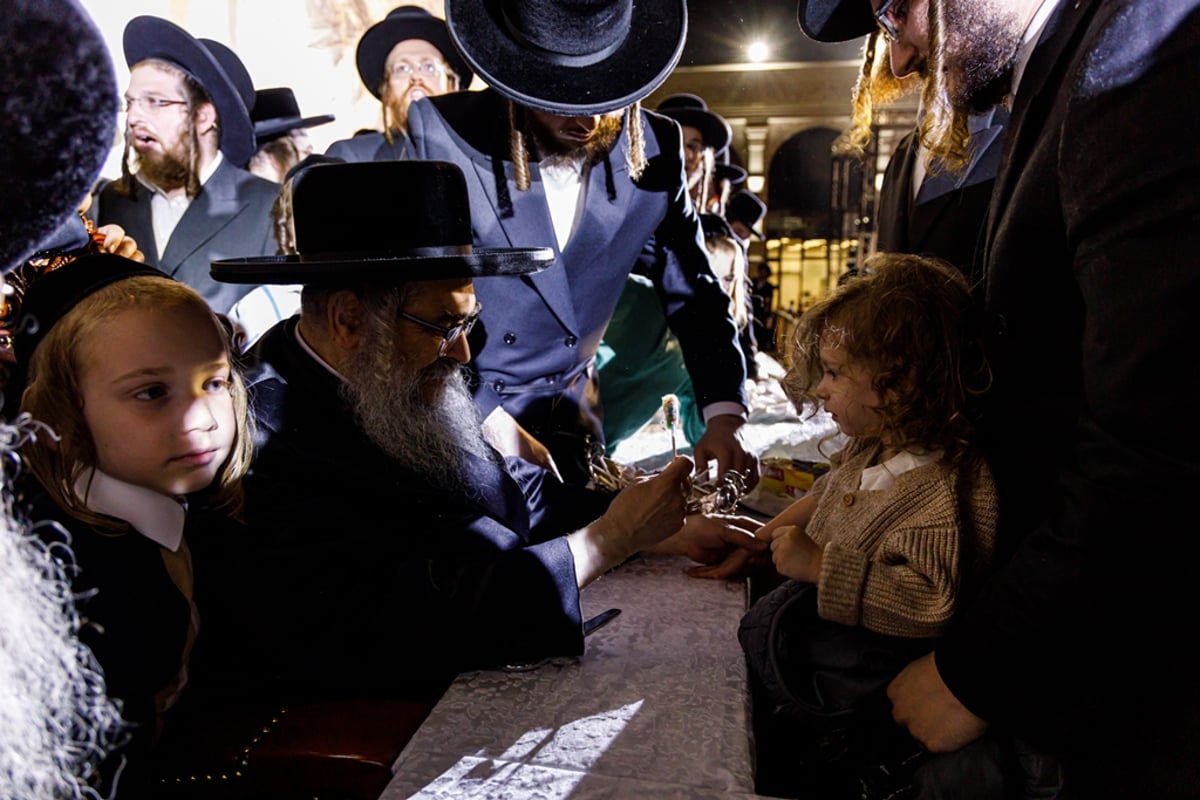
[[1083, 642], [353, 574]]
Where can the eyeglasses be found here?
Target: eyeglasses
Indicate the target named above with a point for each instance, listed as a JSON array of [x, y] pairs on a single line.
[[887, 18], [449, 335], [151, 103], [407, 69]]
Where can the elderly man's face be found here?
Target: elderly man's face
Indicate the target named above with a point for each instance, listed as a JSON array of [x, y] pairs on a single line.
[[444, 304]]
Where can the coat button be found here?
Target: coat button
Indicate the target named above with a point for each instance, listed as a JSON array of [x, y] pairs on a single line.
[[510, 338], [499, 385], [848, 500], [570, 341]]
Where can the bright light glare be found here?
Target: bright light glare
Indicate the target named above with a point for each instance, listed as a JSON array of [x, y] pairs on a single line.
[[757, 52], [756, 183]]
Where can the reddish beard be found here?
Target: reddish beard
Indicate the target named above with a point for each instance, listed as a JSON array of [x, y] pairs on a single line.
[[608, 128], [170, 169]]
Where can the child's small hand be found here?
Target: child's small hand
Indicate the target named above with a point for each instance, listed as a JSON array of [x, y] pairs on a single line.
[[795, 554]]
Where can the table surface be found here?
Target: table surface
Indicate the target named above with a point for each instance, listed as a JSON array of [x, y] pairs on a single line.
[[657, 706]]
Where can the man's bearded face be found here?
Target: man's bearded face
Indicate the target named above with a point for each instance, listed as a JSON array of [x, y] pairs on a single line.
[[423, 417], [408, 77], [159, 139], [586, 137], [979, 47]]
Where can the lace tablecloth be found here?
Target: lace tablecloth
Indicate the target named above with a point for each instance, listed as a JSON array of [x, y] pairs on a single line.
[[656, 707]]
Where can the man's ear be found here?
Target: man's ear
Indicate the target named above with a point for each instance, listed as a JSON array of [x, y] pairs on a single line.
[[206, 118], [344, 320]]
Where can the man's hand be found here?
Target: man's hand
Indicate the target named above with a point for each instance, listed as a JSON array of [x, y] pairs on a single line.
[[723, 442], [922, 704], [709, 539], [795, 554]]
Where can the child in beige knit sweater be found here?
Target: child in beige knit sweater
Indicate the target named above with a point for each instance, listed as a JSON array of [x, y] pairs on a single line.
[[884, 545]]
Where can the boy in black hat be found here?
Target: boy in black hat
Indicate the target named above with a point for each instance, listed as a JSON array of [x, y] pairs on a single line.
[[183, 194], [389, 546], [706, 135], [561, 155], [403, 57], [280, 133]]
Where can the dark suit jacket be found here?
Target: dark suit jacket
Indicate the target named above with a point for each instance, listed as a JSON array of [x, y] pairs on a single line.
[[540, 332], [1084, 640], [370, 147], [945, 218], [230, 218], [353, 574]]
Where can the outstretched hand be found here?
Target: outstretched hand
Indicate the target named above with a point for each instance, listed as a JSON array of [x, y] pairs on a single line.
[[710, 538], [646, 512], [723, 443]]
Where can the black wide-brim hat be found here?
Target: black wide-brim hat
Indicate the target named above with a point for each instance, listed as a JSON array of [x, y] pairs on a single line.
[[747, 208], [568, 57], [386, 222], [406, 22], [60, 101], [276, 112], [730, 172], [691, 110], [152, 37], [835, 20]]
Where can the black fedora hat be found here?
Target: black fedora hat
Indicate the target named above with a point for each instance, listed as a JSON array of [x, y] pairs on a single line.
[[746, 207], [570, 57], [152, 37], [730, 172], [276, 112], [353, 224], [690, 110], [60, 103], [835, 20], [406, 22]]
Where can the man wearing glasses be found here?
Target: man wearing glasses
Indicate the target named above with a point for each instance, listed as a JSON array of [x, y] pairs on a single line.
[[184, 194], [404, 57], [1090, 287]]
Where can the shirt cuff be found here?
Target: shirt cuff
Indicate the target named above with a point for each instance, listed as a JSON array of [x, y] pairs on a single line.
[[726, 407]]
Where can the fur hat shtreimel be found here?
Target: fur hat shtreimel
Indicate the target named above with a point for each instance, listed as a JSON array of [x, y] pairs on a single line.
[[353, 226], [60, 101], [229, 86], [570, 57]]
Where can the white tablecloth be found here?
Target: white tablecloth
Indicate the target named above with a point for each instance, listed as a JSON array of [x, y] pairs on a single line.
[[656, 707]]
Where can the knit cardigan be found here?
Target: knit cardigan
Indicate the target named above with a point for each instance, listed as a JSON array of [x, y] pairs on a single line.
[[895, 560]]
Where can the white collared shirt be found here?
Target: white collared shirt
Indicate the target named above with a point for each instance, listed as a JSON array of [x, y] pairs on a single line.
[[165, 212], [565, 182], [882, 476], [152, 514]]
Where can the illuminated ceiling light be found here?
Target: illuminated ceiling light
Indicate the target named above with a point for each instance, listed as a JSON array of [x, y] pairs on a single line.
[[757, 52], [755, 183]]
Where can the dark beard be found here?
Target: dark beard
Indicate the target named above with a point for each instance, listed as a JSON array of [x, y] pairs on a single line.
[[167, 171], [428, 435], [590, 152], [980, 52]]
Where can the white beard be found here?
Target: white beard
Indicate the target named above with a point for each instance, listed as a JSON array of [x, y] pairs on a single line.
[[56, 723]]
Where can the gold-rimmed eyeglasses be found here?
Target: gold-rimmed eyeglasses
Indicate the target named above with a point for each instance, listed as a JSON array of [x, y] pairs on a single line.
[[406, 69], [152, 103], [890, 14], [449, 335]]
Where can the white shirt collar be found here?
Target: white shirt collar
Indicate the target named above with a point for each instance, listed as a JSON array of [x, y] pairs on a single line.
[[154, 515], [1033, 32], [882, 476]]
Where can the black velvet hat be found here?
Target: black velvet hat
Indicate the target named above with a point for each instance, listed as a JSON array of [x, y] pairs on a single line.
[[746, 207], [715, 225], [570, 57], [60, 102], [690, 110], [382, 222], [228, 84], [276, 113], [51, 295], [406, 22], [730, 172], [835, 20]]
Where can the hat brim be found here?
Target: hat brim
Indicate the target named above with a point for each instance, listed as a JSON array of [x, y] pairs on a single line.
[[730, 172], [271, 128], [151, 37], [481, 263], [712, 126], [835, 20], [532, 78], [380, 38]]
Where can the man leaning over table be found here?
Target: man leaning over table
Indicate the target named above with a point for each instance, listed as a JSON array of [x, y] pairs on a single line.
[[387, 546]]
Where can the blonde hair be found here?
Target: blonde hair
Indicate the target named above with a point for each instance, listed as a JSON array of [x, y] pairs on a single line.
[[723, 245], [53, 394], [877, 85], [943, 128]]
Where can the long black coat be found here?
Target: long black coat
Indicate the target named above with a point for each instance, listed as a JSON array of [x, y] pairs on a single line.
[[355, 575], [1083, 642]]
